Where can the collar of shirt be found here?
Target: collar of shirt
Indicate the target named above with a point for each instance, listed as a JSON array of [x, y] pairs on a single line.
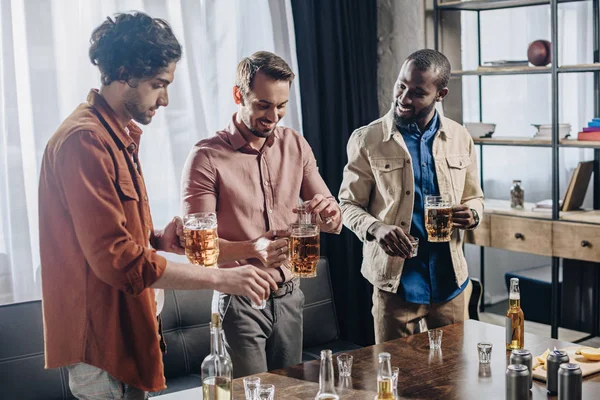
[[124, 137], [390, 128], [430, 129], [239, 142]]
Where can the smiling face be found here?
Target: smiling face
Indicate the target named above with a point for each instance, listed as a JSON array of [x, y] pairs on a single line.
[[142, 101], [264, 105], [415, 94]]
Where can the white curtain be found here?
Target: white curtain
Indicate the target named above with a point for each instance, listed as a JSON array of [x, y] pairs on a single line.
[[45, 73], [514, 102]]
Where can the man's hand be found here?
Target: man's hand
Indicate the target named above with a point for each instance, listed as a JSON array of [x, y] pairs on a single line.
[[271, 247], [328, 210], [391, 239], [462, 217], [171, 239], [246, 280]]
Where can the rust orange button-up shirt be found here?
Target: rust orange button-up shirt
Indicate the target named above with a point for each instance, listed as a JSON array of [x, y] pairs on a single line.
[[97, 265], [252, 191]]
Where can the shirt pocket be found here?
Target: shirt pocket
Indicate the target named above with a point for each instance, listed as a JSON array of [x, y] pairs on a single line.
[[457, 166], [126, 189], [388, 173]]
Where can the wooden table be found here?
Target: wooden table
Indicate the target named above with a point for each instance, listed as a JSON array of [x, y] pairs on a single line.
[[453, 372]]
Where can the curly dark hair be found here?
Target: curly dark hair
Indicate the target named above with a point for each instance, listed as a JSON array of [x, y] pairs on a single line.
[[428, 58], [133, 46]]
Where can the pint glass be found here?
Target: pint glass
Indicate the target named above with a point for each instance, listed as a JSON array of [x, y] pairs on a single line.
[[438, 218], [201, 239]]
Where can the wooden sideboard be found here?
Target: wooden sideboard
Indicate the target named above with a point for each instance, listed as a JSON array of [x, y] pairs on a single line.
[[575, 236]]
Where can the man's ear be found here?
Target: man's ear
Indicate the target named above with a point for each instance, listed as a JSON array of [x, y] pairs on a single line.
[[238, 98], [441, 94]]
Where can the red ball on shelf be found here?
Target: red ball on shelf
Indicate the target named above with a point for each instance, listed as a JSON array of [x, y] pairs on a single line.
[[539, 53]]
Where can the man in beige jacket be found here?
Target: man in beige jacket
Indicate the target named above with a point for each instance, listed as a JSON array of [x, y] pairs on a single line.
[[393, 164]]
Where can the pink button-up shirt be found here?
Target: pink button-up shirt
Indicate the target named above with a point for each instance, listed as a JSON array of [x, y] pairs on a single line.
[[252, 191]]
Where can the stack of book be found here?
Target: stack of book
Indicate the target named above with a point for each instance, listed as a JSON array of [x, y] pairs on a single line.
[[592, 132]]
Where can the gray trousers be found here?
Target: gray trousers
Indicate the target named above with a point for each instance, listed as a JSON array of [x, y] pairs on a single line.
[[262, 340], [92, 383]]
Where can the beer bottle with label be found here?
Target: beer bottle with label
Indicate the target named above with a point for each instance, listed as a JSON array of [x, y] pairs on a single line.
[[515, 320], [217, 369], [326, 379], [384, 378]]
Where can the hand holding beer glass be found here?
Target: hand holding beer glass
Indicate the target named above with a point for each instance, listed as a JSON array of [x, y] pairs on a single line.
[[438, 218], [201, 238], [305, 246]]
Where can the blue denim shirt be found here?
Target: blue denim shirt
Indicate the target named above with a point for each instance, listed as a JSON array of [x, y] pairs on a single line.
[[429, 277]]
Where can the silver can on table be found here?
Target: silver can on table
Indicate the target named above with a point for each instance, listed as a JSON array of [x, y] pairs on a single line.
[[569, 382], [555, 359], [524, 357], [517, 382]]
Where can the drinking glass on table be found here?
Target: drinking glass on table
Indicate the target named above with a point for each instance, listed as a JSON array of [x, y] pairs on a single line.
[[265, 392]]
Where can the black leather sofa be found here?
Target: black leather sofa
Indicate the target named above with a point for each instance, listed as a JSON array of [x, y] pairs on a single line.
[[186, 318]]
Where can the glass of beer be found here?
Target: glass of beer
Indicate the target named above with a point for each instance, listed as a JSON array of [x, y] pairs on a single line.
[[201, 239], [438, 218], [305, 245]]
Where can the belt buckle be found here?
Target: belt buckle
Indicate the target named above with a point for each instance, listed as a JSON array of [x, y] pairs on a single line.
[[288, 288]]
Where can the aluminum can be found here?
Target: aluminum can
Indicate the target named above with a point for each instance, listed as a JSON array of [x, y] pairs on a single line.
[[555, 358], [569, 382], [524, 357], [517, 382]]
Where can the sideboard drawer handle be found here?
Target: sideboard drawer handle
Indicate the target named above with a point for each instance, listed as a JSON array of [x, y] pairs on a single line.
[[519, 236], [585, 243]]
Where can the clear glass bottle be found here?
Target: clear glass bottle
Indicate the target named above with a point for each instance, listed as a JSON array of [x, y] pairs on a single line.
[[515, 319], [305, 244], [517, 195], [217, 369], [384, 378], [326, 378]]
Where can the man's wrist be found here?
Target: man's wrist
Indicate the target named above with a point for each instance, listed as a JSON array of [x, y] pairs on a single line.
[[281, 274], [475, 219], [156, 240], [373, 228]]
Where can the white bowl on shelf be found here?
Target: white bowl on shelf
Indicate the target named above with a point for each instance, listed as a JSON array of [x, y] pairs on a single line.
[[479, 129], [545, 131]]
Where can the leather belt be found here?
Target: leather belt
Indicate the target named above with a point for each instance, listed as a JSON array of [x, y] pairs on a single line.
[[286, 288]]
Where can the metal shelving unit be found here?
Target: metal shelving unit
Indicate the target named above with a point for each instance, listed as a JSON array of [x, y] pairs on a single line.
[[555, 144]]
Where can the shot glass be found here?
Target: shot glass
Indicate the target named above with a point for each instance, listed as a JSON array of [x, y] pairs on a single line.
[[415, 246], [484, 349], [435, 339], [395, 372], [260, 306], [345, 364], [265, 392], [251, 384]]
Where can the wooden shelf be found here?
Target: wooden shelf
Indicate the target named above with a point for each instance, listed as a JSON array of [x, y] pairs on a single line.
[[502, 207], [513, 141], [483, 71], [486, 71], [579, 143], [529, 142], [579, 68], [482, 5], [587, 216]]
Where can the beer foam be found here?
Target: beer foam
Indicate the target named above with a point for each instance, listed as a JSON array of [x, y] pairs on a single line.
[[200, 225]]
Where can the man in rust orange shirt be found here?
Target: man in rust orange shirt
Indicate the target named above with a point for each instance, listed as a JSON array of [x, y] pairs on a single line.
[[253, 173], [98, 244]]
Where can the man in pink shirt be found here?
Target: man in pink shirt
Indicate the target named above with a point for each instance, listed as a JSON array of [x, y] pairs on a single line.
[[253, 174]]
